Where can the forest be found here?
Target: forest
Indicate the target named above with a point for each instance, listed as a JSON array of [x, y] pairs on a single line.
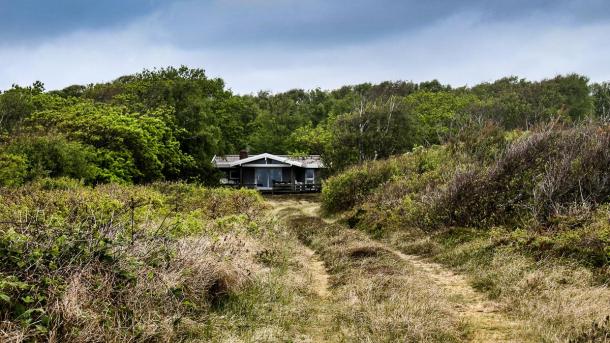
[[167, 124], [448, 214]]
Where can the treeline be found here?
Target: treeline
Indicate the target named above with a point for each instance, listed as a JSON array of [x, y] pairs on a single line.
[[166, 124]]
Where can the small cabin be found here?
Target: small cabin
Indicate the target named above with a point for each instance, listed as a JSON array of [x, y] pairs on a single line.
[[271, 173]]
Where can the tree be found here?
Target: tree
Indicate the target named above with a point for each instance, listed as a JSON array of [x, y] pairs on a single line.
[[278, 117], [601, 100], [373, 129], [518, 103], [132, 147], [16, 104]]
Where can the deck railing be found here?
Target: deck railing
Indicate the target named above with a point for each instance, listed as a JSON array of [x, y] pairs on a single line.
[[288, 187], [282, 187]]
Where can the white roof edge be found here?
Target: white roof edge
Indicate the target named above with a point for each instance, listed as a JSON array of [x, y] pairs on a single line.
[[266, 155], [213, 159]]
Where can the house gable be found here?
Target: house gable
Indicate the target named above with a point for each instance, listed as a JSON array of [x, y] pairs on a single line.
[[256, 159], [267, 160]]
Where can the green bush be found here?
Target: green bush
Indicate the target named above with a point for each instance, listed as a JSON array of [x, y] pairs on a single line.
[[343, 191], [55, 156], [348, 188], [128, 147], [13, 169]]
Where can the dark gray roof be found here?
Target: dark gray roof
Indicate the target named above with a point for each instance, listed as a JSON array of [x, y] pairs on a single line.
[[310, 161]]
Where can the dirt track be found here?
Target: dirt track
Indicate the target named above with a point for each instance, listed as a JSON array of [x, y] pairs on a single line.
[[486, 322]]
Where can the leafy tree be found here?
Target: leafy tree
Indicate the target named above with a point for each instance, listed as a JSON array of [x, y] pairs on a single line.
[[17, 104], [277, 119], [437, 115], [209, 119], [518, 103], [53, 156], [372, 130], [601, 100], [138, 147]]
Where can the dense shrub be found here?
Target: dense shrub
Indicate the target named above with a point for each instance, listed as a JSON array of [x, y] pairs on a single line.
[[112, 263], [541, 175], [341, 192], [129, 147], [13, 169], [55, 156]]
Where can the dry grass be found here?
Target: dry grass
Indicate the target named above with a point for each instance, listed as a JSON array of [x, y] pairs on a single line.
[[553, 300], [12, 333], [201, 273], [377, 297], [283, 303]]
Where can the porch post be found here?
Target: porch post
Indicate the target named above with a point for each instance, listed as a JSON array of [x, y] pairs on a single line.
[[241, 176], [292, 185]]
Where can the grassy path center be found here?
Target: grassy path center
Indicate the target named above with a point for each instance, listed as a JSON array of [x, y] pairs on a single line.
[[485, 323]]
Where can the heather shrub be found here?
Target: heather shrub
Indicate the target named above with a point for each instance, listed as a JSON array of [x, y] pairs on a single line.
[[542, 175]]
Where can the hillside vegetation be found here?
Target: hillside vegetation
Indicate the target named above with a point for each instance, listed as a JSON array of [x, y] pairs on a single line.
[[116, 262], [524, 213], [165, 262]]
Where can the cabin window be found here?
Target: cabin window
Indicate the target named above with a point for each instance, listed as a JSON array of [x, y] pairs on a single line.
[[233, 174], [310, 176], [276, 174]]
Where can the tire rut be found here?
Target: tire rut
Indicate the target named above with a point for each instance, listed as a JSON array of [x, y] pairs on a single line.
[[315, 267], [486, 322]]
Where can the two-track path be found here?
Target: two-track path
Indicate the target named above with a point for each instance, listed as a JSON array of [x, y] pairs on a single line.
[[485, 321]]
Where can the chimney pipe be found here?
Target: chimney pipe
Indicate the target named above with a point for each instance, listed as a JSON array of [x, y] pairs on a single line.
[[243, 154]]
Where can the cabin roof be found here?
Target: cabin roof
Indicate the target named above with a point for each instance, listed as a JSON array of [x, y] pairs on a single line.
[[229, 161]]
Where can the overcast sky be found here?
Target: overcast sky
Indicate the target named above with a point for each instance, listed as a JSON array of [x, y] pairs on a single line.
[[282, 44]]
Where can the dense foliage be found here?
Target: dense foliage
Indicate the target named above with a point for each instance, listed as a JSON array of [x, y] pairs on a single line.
[[167, 124]]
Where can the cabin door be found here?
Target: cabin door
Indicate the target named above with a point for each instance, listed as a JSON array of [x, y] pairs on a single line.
[[266, 176]]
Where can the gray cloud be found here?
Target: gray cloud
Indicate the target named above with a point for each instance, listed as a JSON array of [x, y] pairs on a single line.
[[281, 44], [311, 23], [30, 21]]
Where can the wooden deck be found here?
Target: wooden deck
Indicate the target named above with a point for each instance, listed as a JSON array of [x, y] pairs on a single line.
[[282, 187]]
